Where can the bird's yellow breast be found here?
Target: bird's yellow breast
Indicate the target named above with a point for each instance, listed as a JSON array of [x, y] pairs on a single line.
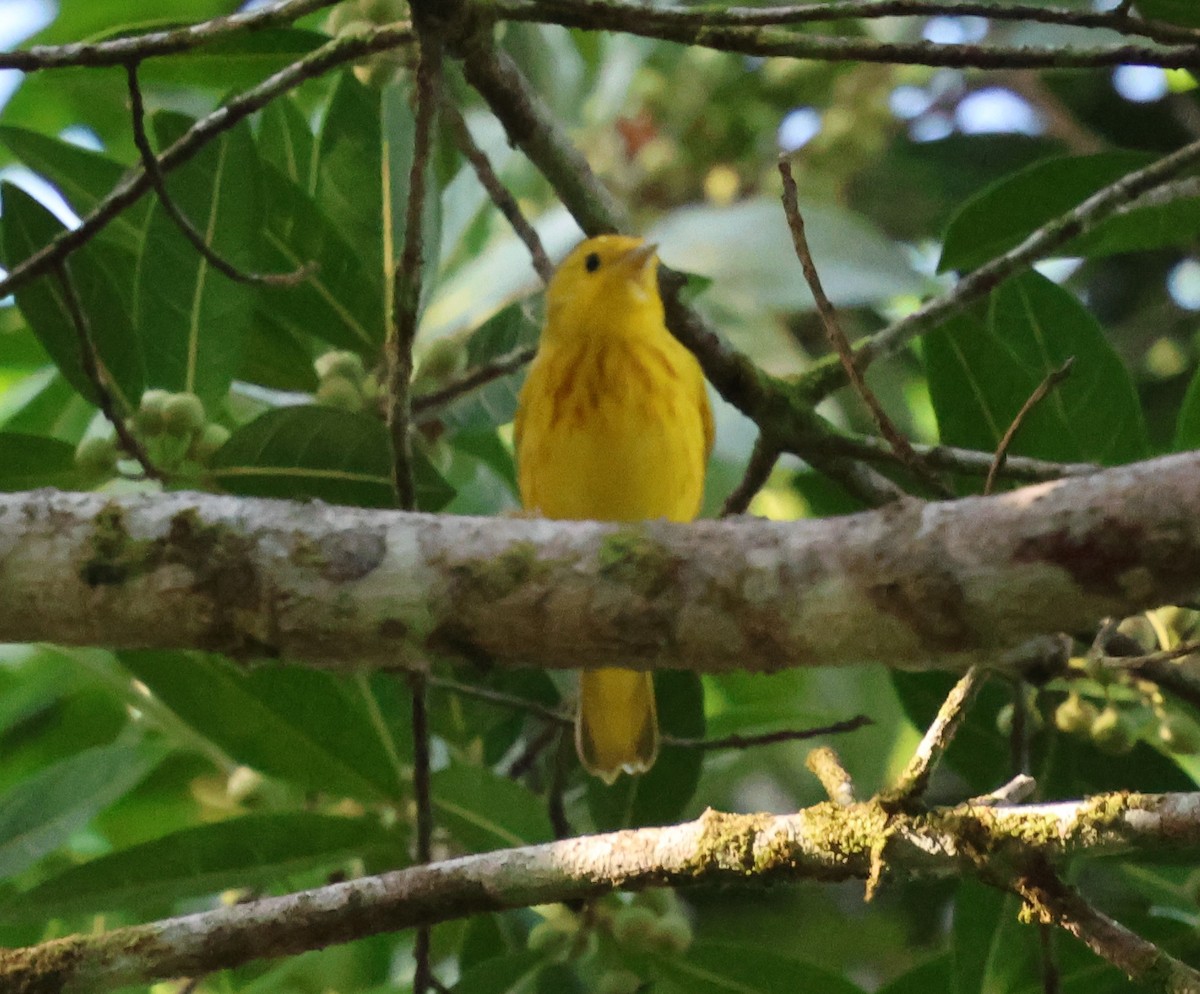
[[614, 428]]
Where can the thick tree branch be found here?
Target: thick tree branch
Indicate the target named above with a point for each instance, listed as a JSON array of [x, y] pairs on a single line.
[[829, 841], [937, 584]]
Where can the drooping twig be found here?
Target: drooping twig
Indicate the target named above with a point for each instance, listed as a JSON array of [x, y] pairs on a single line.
[[1050, 901], [423, 802], [426, 405], [772, 40], [1052, 380], [175, 213], [841, 344], [840, 10], [562, 718], [915, 778], [119, 51], [762, 461], [137, 183], [90, 361], [499, 194]]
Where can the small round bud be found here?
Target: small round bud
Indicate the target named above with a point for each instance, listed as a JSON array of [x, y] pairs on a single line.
[[149, 417], [618, 982], [1075, 716], [1110, 734], [634, 927], [672, 934], [442, 360], [339, 392], [347, 365], [243, 783], [183, 415], [205, 445], [97, 455], [1179, 735], [1004, 719], [549, 937]]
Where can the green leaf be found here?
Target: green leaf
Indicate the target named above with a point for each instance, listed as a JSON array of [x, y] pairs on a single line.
[[31, 461], [43, 812], [494, 403], [51, 407], [730, 968], [193, 320], [82, 176], [992, 950], [485, 811], [304, 726], [934, 976], [99, 273], [1002, 215], [515, 973], [321, 453], [236, 61], [747, 250], [981, 374], [1173, 11], [286, 142], [337, 303], [258, 850], [659, 796], [1187, 429]]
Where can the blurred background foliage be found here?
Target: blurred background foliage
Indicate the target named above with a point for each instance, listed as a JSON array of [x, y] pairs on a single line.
[[137, 785]]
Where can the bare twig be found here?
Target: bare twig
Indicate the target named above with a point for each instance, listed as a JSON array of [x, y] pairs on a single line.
[[758, 471], [90, 361], [426, 405], [770, 40], [1019, 788], [534, 748], [337, 52], [841, 344], [915, 778], [980, 282], [408, 276], [119, 51], [1052, 380], [561, 765], [423, 801], [175, 213], [825, 765], [1050, 901], [505, 202], [812, 13], [870, 448]]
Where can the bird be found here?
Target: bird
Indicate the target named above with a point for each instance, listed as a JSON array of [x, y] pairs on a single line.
[[613, 423]]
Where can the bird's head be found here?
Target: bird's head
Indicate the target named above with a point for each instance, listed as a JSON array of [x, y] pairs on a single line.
[[606, 282]]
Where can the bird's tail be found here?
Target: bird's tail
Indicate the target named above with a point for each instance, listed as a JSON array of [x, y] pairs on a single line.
[[616, 727]]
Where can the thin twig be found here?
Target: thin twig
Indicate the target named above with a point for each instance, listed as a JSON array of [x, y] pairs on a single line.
[[812, 13], [980, 282], [758, 471], [1187, 648], [500, 699], [915, 778], [409, 274], [175, 213], [505, 202], [560, 772], [1052, 380], [827, 767], [1051, 979], [423, 801], [1050, 901], [119, 51], [534, 749], [871, 448], [137, 182], [841, 344], [770, 40], [89, 360], [426, 405]]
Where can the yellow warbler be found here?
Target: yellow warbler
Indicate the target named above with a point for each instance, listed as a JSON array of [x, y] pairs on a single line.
[[613, 425]]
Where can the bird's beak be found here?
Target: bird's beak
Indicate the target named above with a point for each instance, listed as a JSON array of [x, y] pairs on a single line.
[[638, 258]]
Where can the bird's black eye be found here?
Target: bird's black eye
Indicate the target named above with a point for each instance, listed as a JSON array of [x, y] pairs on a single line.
[[592, 262]]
